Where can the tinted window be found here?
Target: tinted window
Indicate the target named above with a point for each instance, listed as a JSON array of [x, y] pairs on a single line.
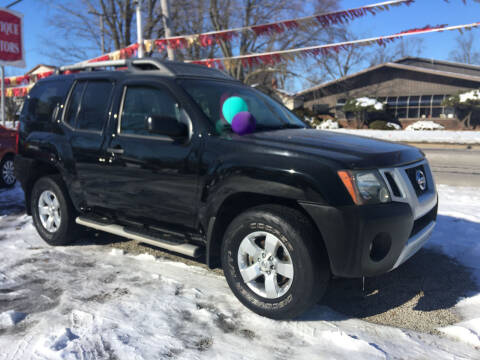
[[43, 99], [75, 98], [425, 100], [142, 102], [437, 99], [94, 106], [414, 100]]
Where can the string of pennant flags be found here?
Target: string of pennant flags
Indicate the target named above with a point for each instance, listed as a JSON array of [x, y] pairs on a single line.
[[25, 79], [274, 57], [212, 38], [248, 60]]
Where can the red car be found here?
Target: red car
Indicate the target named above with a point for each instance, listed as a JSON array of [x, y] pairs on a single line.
[[8, 149]]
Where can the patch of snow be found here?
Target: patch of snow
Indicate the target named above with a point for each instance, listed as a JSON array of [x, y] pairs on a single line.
[[394, 125], [141, 307], [117, 252], [458, 231], [145, 257], [468, 331], [424, 125], [10, 318], [419, 136], [367, 102], [328, 124], [470, 95]]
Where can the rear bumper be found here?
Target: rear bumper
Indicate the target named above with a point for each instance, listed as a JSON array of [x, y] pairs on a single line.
[[370, 240]]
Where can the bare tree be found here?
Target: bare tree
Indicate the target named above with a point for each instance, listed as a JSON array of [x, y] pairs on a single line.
[[465, 51], [340, 63], [388, 53], [226, 14], [76, 30], [76, 27]]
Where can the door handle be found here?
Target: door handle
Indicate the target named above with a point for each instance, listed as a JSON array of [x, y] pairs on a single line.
[[115, 150]]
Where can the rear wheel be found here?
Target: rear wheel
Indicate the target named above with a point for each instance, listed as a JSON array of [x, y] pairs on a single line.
[[52, 211], [7, 172], [272, 262]]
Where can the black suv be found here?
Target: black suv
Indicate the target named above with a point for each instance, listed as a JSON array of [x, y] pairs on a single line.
[[143, 151]]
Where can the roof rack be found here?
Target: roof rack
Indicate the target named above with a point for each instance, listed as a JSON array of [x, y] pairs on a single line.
[[131, 64], [167, 68]]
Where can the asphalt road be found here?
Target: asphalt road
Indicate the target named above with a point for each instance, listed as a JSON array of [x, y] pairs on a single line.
[[454, 166]]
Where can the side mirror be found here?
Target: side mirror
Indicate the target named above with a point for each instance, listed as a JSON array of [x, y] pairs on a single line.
[[166, 125]]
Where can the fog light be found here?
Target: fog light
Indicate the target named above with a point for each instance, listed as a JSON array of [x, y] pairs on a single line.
[[380, 247]]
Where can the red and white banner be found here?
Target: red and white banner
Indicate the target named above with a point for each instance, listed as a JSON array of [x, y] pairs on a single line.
[[274, 57], [212, 38], [11, 38]]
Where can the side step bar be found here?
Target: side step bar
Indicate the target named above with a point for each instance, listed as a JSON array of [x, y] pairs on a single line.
[[185, 249]]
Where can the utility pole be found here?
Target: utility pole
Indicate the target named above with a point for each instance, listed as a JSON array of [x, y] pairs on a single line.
[[138, 4], [167, 26], [102, 29]]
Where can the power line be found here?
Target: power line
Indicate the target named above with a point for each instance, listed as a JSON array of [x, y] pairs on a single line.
[[13, 3]]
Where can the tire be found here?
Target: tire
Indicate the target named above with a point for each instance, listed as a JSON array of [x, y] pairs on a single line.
[[7, 175], [64, 231], [299, 266]]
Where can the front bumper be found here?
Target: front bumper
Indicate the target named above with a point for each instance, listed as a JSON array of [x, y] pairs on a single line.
[[370, 240]]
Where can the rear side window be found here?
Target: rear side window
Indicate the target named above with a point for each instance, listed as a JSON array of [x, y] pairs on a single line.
[[94, 106], [89, 104], [73, 106], [43, 99]]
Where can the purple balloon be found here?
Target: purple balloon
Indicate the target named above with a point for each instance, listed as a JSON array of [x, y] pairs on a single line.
[[243, 123]]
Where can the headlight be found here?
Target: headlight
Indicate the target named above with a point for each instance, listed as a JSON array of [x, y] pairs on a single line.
[[365, 186]]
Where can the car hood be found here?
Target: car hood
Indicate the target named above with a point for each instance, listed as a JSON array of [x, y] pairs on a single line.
[[354, 152]]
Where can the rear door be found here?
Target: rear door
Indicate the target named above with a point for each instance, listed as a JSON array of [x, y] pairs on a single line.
[[86, 116]]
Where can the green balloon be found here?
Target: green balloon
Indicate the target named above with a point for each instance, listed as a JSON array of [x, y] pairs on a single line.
[[232, 106]]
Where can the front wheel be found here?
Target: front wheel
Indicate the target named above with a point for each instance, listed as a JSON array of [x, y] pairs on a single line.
[[273, 263]]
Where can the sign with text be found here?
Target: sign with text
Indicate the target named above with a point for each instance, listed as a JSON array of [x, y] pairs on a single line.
[[11, 38]]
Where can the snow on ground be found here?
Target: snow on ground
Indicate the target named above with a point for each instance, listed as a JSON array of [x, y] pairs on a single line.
[[328, 124], [419, 136], [91, 302], [367, 102], [423, 125], [473, 95]]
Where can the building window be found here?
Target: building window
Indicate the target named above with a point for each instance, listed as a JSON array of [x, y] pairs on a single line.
[[413, 109], [419, 107]]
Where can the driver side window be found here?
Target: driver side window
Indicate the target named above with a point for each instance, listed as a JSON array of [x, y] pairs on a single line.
[[141, 102]]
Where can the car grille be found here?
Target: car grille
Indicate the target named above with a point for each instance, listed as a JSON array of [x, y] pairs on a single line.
[[412, 176]]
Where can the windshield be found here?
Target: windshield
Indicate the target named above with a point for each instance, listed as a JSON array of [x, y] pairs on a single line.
[[210, 95]]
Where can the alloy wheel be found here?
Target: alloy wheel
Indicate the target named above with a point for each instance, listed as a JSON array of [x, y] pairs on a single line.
[[49, 211], [8, 173], [265, 265]]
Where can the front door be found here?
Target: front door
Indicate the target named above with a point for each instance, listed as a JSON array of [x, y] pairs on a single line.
[[151, 178]]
